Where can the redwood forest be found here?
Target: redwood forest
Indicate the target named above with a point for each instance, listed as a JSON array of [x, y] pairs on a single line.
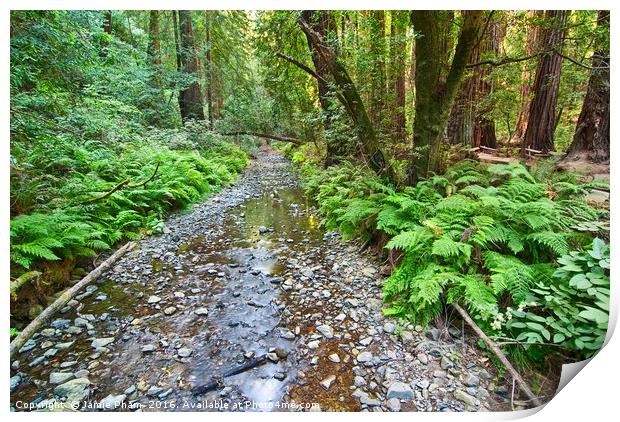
[[306, 210]]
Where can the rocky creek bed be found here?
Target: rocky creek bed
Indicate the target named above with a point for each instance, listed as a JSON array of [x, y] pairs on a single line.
[[248, 272]]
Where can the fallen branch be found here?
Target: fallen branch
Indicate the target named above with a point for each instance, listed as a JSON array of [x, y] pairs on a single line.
[[44, 316], [500, 355], [267, 136], [218, 381], [141, 184], [122, 184]]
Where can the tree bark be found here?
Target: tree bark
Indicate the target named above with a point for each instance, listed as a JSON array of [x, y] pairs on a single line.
[[468, 124], [190, 98], [542, 112], [398, 71], [377, 68], [209, 68], [350, 99], [322, 23], [436, 84], [177, 43], [154, 47], [532, 45], [592, 131]]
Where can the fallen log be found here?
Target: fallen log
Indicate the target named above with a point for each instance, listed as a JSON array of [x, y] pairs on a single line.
[[19, 341], [265, 135], [217, 381], [500, 355]]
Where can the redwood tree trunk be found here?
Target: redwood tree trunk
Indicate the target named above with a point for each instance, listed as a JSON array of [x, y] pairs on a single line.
[[468, 124], [190, 98], [592, 132], [542, 112], [437, 83], [377, 68], [209, 68], [532, 44], [153, 49], [397, 73]]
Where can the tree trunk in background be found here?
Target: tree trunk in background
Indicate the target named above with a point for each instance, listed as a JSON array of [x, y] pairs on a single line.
[[107, 28], [592, 132], [398, 57], [209, 69], [467, 124], [153, 50], [377, 68], [190, 98], [532, 44], [437, 83], [349, 96], [322, 23], [542, 112], [177, 43]]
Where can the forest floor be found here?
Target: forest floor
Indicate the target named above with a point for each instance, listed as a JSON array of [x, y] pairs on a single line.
[[245, 273]]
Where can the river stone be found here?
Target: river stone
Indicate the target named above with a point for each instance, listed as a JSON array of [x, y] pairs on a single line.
[[364, 357], [112, 402], [201, 311], [101, 342], [15, 380], [287, 334], [464, 397], [334, 358], [63, 346], [170, 310], [326, 331], [60, 377], [30, 344], [154, 390], [185, 352], [74, 390], [313, 345], [327, 382], [393, 404], [471, 380], [389, 328], [149, 348], [359, 381], [153, 299], [446, 363], [400, 390], [352, 302]]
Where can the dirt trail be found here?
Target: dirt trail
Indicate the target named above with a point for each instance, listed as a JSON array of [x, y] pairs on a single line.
[[245, 273]]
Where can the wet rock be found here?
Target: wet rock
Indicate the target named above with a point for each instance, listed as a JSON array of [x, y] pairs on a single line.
[[262, 229], [280, 376], [29, 345], [327, 382], [61, 324], [401, 391], [287, 334], [63, 346], [60, 377], [154, 391], [130, 390], [15, 381], [74, 390], [101, 342]]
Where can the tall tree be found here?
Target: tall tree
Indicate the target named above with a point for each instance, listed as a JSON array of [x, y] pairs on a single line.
[[532, 44], [377, 67], [468, 124], [398, 70], [542, 113], [209, 67], [177, 42], [190, 98], [348, 95], [592, 131], [154, 47], [437, 81]]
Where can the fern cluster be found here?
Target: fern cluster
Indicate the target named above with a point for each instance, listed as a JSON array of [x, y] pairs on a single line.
[[482, 236]]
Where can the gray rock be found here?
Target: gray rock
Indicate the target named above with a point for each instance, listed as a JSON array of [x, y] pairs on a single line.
[[464, 397], [74, 390], [401, 391], [393, 404], [153, 299], [364, 357], [60, 377], [170, 310], [359, 381], [63, 346], [352, 302], [446, 363], [101, 342], [433, 334], [130, 390], [471, 380], [287, 334], [201, 311], [29, 345], [423, 384], [15, 380], [312, 345], [154, 390], [149, 348], [185, 352], [389, 328], [326, 331], [334, 358], [422, 358]]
